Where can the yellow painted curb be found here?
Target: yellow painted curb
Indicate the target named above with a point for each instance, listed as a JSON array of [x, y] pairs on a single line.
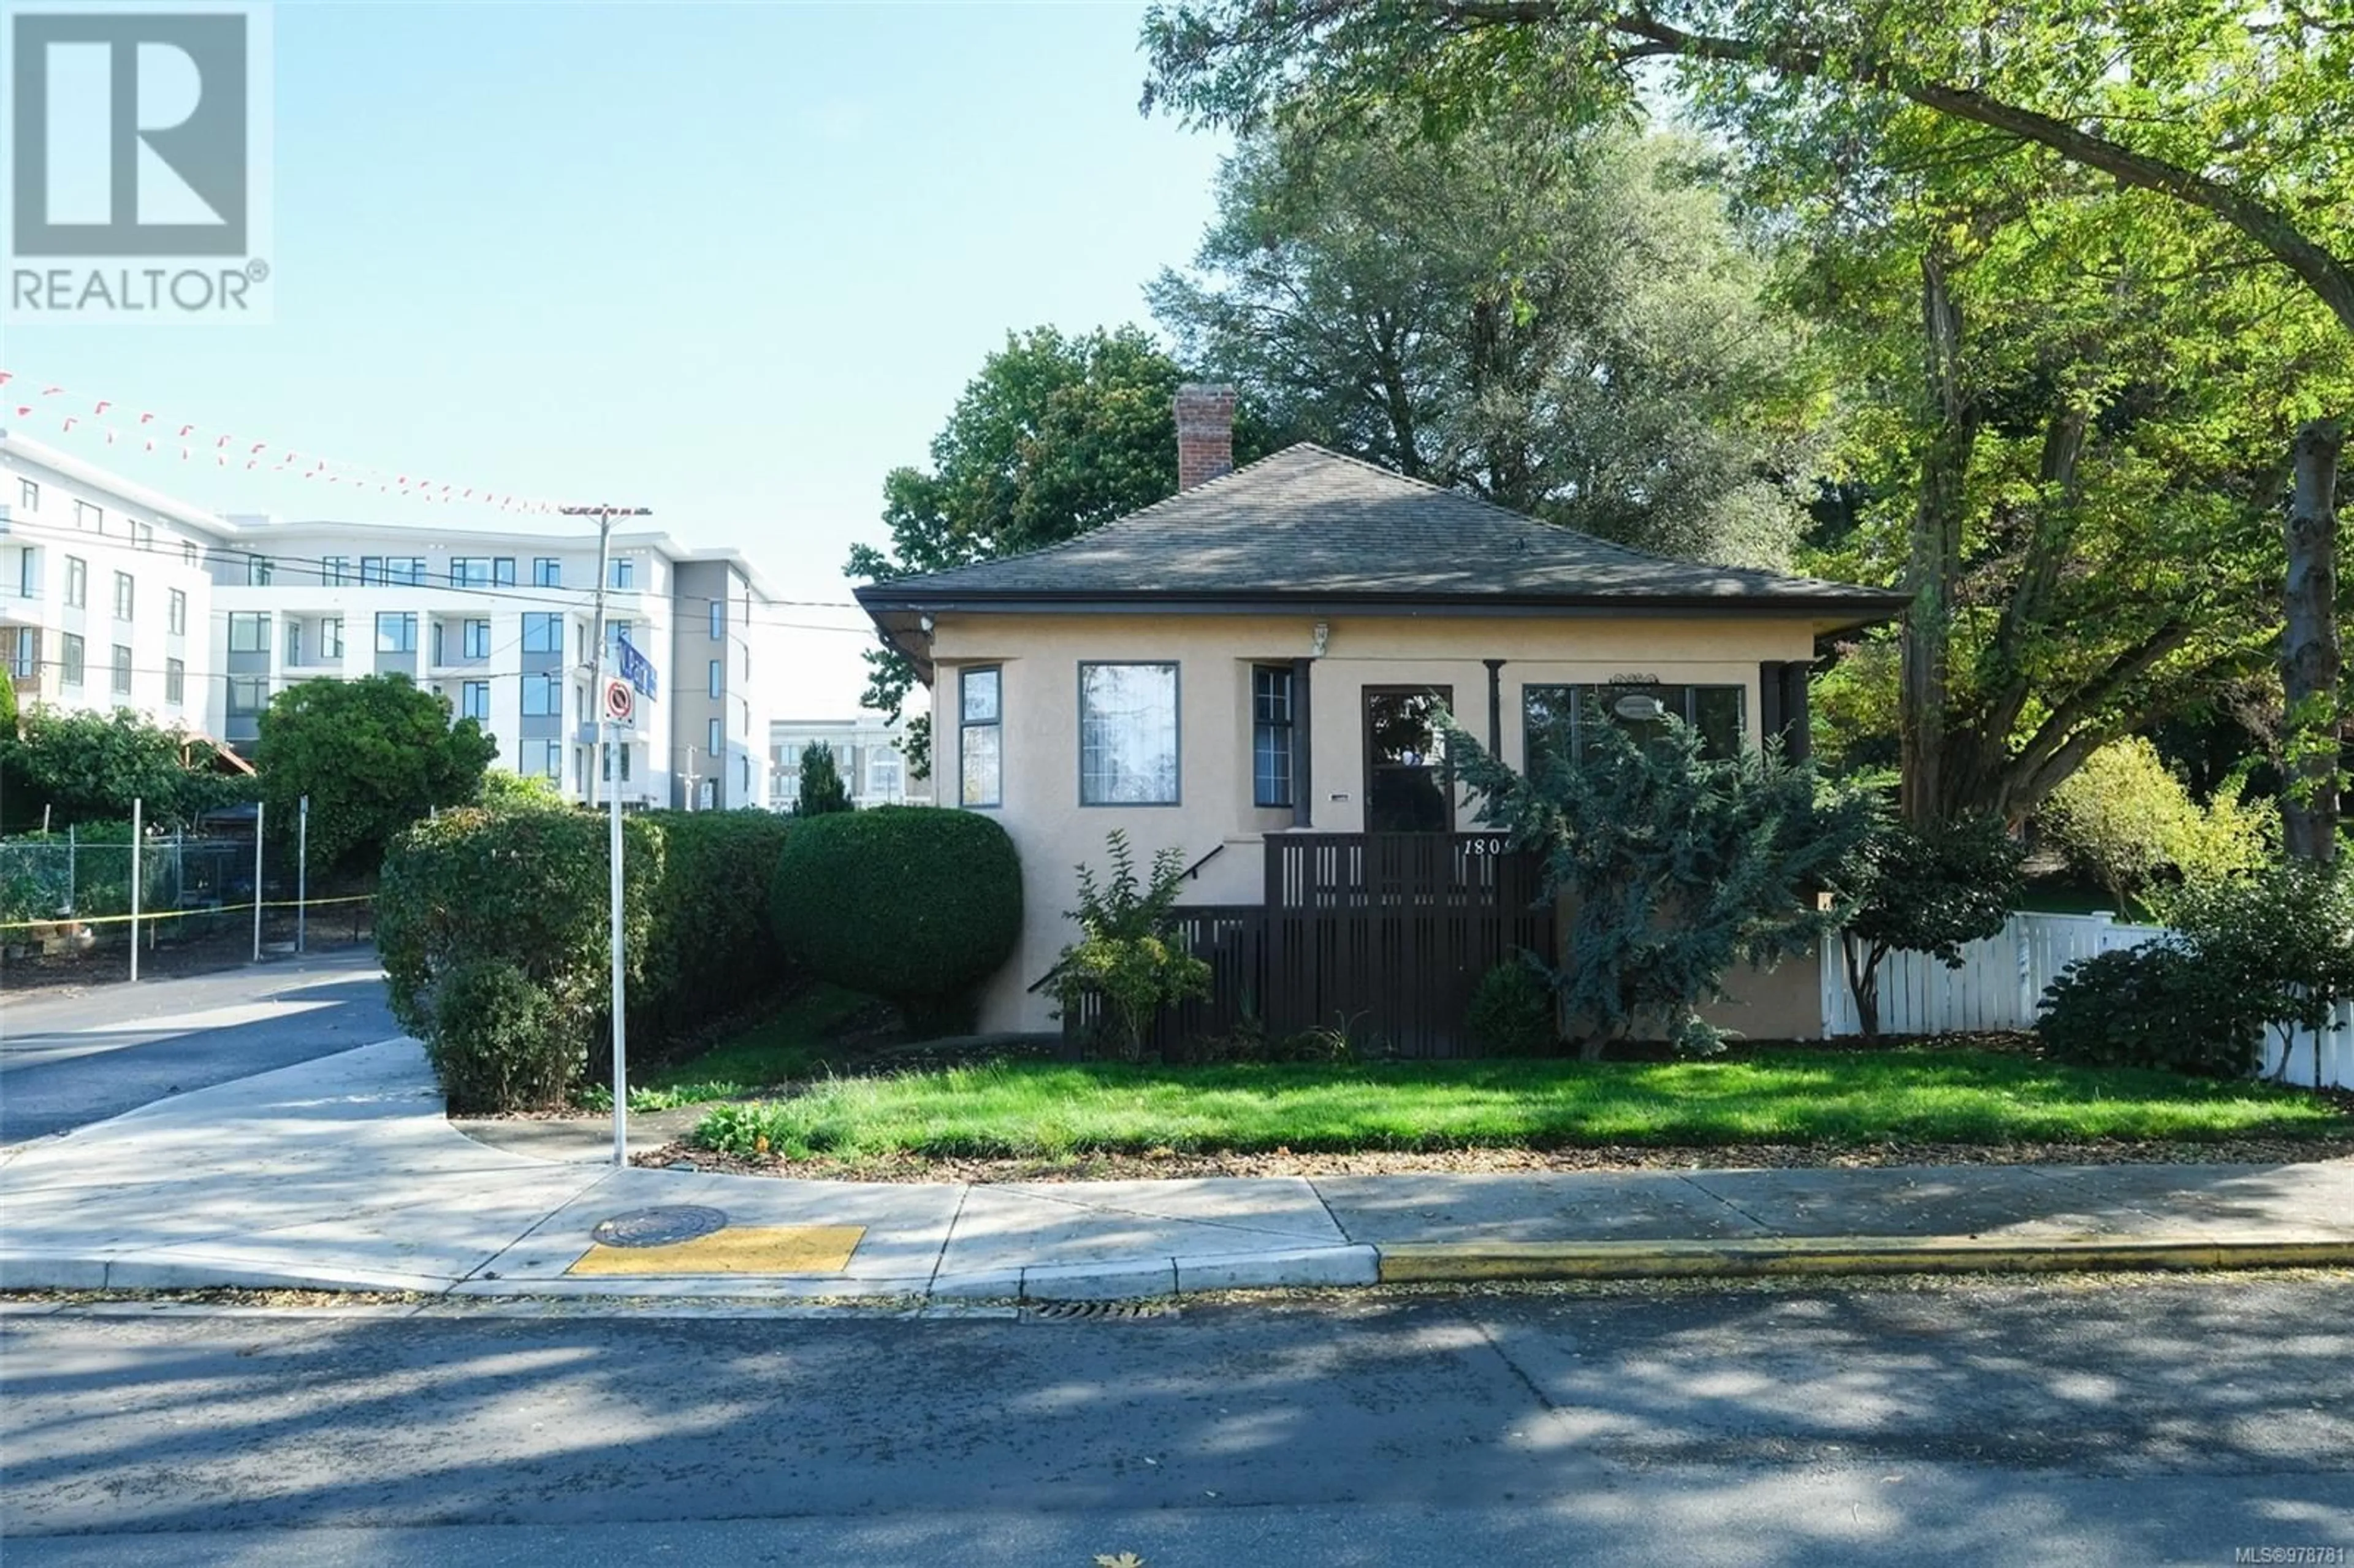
[[1434, 1261], [738, 1249]]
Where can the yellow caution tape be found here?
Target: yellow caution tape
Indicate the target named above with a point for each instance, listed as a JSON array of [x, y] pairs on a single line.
[[145, 916]]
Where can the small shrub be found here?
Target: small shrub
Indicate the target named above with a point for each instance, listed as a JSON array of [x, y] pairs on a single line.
[[1129, 954], [917, 904], [2283, 937], [822, 791], [1512, 1012], [2158, 1005], [498, 1039]]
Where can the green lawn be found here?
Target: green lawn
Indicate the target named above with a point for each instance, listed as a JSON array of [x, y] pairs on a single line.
[[800, 1039], [1033, 1110]]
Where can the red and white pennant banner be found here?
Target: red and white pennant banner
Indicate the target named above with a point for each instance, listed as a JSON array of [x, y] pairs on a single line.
[[155, 434]]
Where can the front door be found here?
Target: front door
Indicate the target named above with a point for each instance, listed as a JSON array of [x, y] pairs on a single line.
[[1407, 789]]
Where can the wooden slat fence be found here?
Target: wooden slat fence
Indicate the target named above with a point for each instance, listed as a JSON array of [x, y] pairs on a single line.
[[2000, 986]]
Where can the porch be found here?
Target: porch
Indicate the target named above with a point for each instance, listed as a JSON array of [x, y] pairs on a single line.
[[1381, 936]]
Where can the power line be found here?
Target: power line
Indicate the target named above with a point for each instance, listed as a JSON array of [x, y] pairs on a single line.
[[313, 567]]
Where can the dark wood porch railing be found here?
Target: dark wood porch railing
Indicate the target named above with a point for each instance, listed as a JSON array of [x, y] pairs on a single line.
[[1382, 936]]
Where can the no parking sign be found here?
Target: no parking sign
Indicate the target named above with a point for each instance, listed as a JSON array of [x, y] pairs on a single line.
[[620, 701]]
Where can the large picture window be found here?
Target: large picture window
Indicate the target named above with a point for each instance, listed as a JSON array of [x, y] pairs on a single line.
[[1128, 735], [1567, 714], [542, 632], [1271, 735], [248, 631], [979, 726]]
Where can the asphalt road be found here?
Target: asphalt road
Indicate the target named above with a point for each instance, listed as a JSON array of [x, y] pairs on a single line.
[[2132, 1423], [70, 1058]]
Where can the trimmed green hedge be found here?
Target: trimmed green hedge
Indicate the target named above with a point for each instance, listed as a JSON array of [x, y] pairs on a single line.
[[915, 904], [492, 927]]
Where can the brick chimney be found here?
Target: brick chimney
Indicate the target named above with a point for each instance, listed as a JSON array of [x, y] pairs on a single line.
[[1206, 433]]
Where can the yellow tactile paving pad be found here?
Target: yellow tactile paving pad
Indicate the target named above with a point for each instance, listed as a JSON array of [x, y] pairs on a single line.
[[738, 1249]]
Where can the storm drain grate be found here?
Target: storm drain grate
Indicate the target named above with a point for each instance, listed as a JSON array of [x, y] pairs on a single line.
[[664, 1226], [1096, 1311]]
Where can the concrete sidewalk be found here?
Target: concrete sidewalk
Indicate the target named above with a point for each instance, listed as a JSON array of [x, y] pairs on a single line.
[[343, 1174]]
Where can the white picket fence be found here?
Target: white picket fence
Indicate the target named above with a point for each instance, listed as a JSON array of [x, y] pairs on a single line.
[[2000, 986]]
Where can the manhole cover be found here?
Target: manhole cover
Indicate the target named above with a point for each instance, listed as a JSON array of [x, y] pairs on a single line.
[[658, 1227]]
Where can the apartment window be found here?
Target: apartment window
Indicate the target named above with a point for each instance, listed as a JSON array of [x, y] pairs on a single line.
[[396, 631], [981, 760], [176, 681], [474, 700], [188, 552], [1567, 714], [331, 637], [248, 695], [718, 678], [28, 571], [258, 570], [616, 633], [405, 571], [334, 570], [624, 573], [175, 613], [543, 697], [248, 631], [551, 761], [73, 660], [1271, 735], [1128, 735], [126, 595], [77, 582], [546, 571], [543, 633], [718, 618], [25, 664], [28, 496], [293, 641], [477, 638], [372, 571], [86, 515], [624, 752], [146, 535], [715, 742], [121, 670], [469, 571], [502, 572]]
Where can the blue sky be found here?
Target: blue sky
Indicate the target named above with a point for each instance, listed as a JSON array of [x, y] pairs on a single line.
[[733, 261]]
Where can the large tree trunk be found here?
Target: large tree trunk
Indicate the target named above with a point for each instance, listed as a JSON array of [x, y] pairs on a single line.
[[2311, 659], [1935, 557]]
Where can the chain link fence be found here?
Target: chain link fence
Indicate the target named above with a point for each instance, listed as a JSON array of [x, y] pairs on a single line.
[[107, 901]]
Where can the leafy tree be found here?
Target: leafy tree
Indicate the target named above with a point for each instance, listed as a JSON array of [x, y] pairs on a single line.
[[1677, 867], [1127, 955], [1925, 892], [90, 767], [2124, 820], [1565, 324], [2235, 117], [822, 787], [1056, 435], [374, 755]]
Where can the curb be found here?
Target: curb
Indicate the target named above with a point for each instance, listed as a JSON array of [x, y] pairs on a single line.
[[1437, 1262]]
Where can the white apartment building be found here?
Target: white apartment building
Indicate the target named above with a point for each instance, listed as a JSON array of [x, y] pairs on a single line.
[[867, 753], [112, 595]]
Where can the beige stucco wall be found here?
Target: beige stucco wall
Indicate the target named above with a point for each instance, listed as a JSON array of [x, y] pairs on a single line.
[[1040, 655]]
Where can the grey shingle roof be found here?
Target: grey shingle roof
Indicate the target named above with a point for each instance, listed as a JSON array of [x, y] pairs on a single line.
[[1309, 524]]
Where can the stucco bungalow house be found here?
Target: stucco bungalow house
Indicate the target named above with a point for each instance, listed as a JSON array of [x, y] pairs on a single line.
[[1247, 672]]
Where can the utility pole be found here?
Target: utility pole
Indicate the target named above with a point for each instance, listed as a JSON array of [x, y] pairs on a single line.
[[605, 515]]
